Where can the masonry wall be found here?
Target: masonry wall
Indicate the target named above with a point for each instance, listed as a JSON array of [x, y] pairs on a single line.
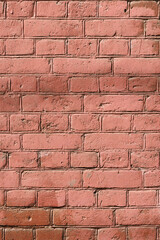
[[79, 121]]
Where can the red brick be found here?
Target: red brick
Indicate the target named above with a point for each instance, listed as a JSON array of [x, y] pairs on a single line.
[[128, 216], [24, 123], [147, 122], [85, 122], [9, 142], [114, 103], [19, 46], [103, 141], [51, 83], [23, 160], [52, 141], [54, 122], [2, 46], [46, 234], [144, 9], [145, 159], [51, 198], [24, 65], [111, 28], [51, 9], [65, 103], [25, 234], [78, 9], [153, 103], [111, 179], [1, 9], [1, 233], [82, 47], [111, 122], [111, 233], [113, 84], [153, 28], [113, 9], [143, 84], [137, 65], [152, 178], [144, 47], [79, 65], [50, 47], [11, 28], [143, 233], [142, 198], [93, 217], [81, 198], [79, 233], [3, 159], [9, 103], [153, 141], [4, 84], [3, 123], [20, 9], [84, 159], [54, 159], [21, 198], [56, 28], [1, 200], [23, 83], [83, 84], [9, 179], [114, 47], [111, 198], [51, 179], [25, 217], [114, 159]]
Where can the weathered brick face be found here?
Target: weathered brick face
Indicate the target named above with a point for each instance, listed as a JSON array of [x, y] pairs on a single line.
[[79, 120]]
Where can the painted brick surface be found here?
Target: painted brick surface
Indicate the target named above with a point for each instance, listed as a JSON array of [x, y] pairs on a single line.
[[80, 120]]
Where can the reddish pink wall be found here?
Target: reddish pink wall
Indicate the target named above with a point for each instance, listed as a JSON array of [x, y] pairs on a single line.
[[79, 121]]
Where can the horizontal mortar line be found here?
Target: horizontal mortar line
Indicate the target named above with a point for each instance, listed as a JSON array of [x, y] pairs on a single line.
[[80, 188], [72, 112], [78, 112], [72, 75], [74, 131], [109, 57], [154, 37], [41, 170], [96, 56], [86, 18], [80, 94], [85, 169], [87, 1], [12, 208]]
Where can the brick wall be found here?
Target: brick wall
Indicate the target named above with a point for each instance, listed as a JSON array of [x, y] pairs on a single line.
[[79, 121]]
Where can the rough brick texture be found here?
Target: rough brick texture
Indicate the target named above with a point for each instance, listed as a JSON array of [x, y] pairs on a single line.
[[80, 120]]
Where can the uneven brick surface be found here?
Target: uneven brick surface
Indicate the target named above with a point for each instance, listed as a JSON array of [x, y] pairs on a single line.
[[80, 120]]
